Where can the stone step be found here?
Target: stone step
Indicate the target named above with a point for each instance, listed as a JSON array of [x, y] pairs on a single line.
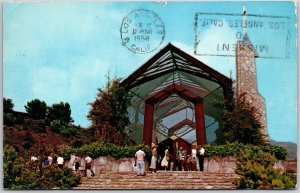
[[154, 187], [153, 176], [158, 181], [165, 186], [158, 184], [170, 174], [161, 180], [160, 177], [150, 178]]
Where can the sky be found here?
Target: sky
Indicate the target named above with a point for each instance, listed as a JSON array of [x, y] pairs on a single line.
[[64, 51]]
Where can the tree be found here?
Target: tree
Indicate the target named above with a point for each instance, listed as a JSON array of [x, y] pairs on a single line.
[[36, 109], [121, 100], [109, 114], [61, 112], [8, 105], [240, 123]]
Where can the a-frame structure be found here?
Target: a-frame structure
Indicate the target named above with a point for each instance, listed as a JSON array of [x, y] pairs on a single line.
[[170, 84]]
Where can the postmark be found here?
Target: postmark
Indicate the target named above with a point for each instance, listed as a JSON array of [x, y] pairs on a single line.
[[142, 31], [226, 29]]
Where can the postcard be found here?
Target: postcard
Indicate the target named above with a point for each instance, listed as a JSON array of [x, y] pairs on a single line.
[[150, 95]]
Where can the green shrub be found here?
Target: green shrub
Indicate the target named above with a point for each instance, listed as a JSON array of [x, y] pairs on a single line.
[[77, 143], [23, 176], [19, 119], [8, 119], [41, 126], [27, 144], [28, 125], [255, 168], [12, 168], [47, 122], [235, 149], [67, 132], [56, 125]]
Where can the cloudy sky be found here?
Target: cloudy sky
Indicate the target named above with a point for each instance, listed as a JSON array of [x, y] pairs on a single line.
[[63, 51]]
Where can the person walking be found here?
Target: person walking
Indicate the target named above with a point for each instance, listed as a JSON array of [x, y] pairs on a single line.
[[140, 162], [60, 162], [153, 159], [50, 159], [45, 162], [201, 157], [34, 159], [77, 163], [88, 166]]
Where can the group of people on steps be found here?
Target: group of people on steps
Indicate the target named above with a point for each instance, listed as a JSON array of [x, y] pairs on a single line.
[[184, 161]]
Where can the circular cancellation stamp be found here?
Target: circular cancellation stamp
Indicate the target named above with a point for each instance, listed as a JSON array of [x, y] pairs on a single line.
[[142, 31]]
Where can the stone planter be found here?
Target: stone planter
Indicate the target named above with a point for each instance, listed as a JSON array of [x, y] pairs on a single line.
[[220, 164]]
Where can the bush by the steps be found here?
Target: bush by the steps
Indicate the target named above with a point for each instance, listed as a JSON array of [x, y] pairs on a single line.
[[256, 171]]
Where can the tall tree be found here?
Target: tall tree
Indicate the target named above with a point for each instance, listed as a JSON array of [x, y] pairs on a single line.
[[109, 114], [8, 105], [240, 123], [60, 111], [36, 109]]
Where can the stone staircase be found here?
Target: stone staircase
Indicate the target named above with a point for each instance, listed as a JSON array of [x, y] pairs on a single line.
[[161, 180]]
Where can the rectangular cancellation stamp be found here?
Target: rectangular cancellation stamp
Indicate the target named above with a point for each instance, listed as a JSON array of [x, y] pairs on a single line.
[[270, 35]]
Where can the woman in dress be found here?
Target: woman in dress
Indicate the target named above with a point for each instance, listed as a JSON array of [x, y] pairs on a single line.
[[194, 156], [153, 159], [165, 161]]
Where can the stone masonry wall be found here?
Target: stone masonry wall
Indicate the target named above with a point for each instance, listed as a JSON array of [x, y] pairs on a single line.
[[246, 81], [109, 164]]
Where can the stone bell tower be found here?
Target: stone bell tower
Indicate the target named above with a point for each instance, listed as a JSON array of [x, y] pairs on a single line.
[[246, 81]]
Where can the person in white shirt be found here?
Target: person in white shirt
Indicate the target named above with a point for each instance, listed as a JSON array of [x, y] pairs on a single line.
[[60, 162], [34, 158], [50, 159], [140, 162], [201, 157], [88, 165]]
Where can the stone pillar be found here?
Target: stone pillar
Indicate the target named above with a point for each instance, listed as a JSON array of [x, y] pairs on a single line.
[[148, 123], [246, 81], [200, 123]]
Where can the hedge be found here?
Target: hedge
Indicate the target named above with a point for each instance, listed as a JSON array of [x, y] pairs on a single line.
[[232, 149], [237, 149]]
